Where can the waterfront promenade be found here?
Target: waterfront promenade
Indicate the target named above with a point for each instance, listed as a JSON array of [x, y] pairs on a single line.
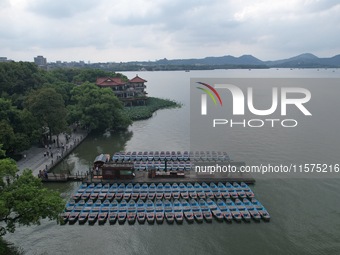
[[36, 158]]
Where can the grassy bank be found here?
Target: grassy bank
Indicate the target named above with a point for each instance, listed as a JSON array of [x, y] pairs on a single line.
[[152, 104]]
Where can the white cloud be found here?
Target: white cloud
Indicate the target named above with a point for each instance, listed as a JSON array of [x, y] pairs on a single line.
[[124, 30]]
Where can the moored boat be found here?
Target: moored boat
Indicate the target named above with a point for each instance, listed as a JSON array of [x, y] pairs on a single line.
[[113, 212], [196, 210], [83, 217], [86, 195], [128, 191], [178, 211], [131, 212], [233, 209], [215, 210], [168, 211], [102, 195], [250, 194], [159, 211], [102, 215], [243, 210], [260, 208], [199, 190], [224, 209], [93, 215], [159, 191], [231, 190], [64, 217], [252, 210], [122, 209], [239, 190], [191, 191], [167, 191], [151, 191], [207, 191], [135, 192], [73, 217], [187, 211], [150, 211], [215, 190], [77, 196], [175, 191], [184, 191], [223, 190], [70, 206], [205, 210], [120, 192], [110, 195], [143, 194], [141, 212]]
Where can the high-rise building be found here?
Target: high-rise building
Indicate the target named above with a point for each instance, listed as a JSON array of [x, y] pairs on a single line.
[[4, 59], [40, 61]]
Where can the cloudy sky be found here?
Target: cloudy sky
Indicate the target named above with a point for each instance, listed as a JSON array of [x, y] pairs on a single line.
[[126, 30]]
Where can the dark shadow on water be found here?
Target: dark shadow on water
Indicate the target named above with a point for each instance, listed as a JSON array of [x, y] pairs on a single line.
[[9, 248], [81, 159]]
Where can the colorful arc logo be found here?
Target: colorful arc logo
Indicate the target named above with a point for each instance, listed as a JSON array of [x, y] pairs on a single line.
[[209, 92]]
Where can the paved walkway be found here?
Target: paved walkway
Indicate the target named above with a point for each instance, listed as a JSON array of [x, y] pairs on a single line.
[[36, 158]]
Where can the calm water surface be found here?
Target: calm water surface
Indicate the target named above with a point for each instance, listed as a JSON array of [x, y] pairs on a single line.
[[305, 212]]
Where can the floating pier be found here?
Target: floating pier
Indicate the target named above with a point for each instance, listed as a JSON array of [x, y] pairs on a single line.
[[155, 202]]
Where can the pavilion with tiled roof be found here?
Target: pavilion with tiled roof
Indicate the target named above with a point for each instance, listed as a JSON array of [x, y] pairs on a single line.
[[131, 92]]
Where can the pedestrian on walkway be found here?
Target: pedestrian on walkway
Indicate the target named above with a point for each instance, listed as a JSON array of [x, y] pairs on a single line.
[[51, 154], [47, 153], [44, 154], [24, 156]]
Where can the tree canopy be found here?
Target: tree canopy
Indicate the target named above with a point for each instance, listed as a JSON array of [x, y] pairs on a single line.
[[48, 107], [24, 200], [34, 101], [97, 108]]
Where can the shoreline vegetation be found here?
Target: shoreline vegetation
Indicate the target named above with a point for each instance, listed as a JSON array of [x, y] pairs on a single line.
[[152, 105], [38, 104]]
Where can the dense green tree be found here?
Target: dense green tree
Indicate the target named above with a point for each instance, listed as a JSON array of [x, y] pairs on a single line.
[[97, 108], [18, 78], [25, 202], [48, 106]]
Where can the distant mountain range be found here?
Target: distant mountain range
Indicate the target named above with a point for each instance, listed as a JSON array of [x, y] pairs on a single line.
[[306, 60]]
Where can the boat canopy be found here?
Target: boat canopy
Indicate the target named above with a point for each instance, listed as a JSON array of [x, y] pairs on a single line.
[[102, 158]]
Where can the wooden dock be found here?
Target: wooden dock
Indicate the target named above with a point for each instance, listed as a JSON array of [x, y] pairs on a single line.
[[51, 177], [189, 176]]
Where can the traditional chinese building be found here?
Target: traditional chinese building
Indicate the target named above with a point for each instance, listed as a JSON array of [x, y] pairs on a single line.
[[131, 92]]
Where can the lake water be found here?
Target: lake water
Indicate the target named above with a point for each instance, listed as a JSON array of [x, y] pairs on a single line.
[[305, 212]]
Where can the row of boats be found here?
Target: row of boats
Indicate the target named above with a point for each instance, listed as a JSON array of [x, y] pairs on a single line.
[[167, 191], [170, 155], [162, 166], [176, 210]]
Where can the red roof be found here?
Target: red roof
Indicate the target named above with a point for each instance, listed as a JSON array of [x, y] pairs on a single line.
[[137, 79], [108, 81]]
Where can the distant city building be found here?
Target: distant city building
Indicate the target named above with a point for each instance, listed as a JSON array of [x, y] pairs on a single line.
[[4, 59], [131, 92], [41, 62]]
